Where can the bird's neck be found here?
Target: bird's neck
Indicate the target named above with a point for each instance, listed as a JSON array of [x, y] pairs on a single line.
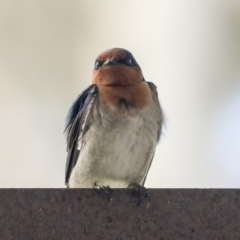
[[126, 97]]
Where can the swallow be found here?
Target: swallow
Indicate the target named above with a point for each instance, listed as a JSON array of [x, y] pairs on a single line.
[[113, 126]]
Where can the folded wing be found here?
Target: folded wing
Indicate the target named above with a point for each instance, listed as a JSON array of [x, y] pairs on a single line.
[[76, 126]]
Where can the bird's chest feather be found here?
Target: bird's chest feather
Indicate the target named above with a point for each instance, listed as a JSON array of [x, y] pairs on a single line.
[[117, 148]]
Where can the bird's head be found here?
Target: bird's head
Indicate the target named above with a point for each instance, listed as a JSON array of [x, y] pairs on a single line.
[[116, 67]]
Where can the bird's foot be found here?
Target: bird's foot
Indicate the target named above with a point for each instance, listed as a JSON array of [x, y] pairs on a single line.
[[104, 190], [138, 191]]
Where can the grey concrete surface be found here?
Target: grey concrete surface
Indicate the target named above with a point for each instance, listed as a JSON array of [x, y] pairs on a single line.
[[86, 214]]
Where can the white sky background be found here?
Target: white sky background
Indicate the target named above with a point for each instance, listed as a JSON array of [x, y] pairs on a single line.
[[189, 49]]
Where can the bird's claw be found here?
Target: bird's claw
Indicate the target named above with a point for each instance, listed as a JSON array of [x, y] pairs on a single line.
[[105, 190], [138, 191]]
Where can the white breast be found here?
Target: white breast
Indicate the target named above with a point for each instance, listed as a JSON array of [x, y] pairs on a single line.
[[116, 150]]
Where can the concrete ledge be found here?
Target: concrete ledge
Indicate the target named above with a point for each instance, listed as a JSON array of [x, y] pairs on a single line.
[[85, 214]]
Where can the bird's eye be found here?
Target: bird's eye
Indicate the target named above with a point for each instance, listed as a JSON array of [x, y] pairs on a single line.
[[129, 61], [98, 64]]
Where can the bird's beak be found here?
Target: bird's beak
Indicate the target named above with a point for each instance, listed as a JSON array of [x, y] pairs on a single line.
[[110, 62]]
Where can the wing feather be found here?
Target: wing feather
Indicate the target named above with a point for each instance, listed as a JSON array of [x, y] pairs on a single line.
[[75, 126], [153, 89]]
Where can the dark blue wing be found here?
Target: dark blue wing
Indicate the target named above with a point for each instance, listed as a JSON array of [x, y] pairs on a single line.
[[153, 89], [73, 128]]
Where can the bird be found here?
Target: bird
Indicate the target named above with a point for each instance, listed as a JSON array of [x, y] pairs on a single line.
[[113, 126]]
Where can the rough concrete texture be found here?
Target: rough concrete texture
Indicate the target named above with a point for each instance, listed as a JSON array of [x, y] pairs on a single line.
[[86, 214]]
